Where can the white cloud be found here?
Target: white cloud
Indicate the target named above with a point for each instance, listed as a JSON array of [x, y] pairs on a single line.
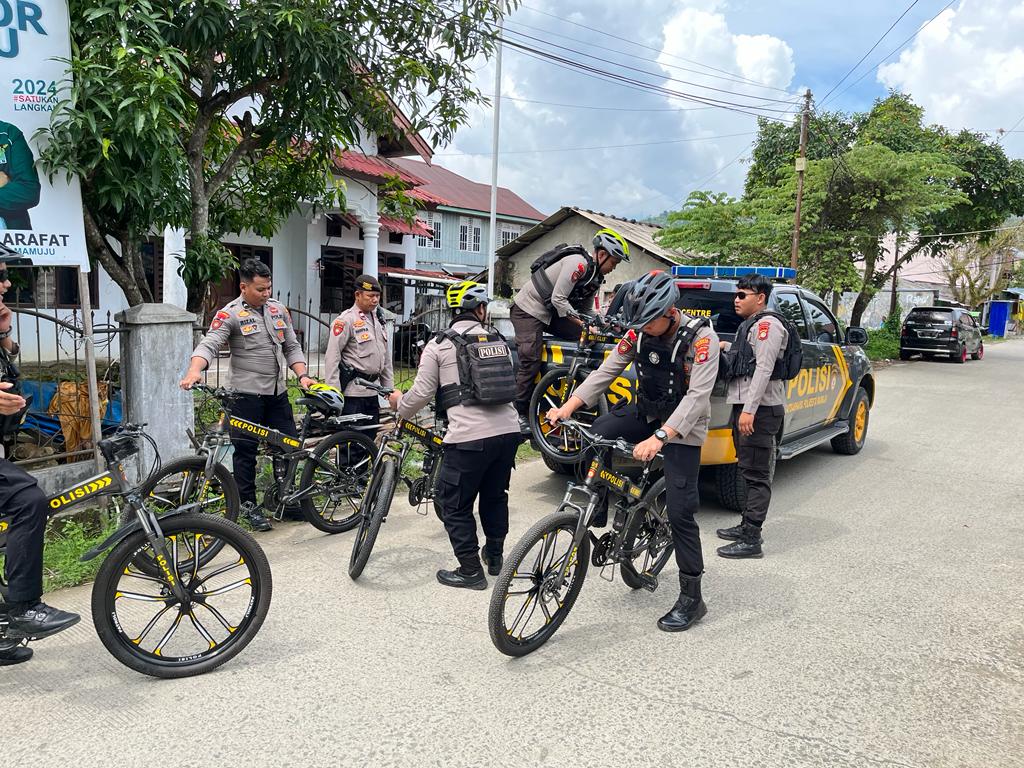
[[967, 68], [633, 181]]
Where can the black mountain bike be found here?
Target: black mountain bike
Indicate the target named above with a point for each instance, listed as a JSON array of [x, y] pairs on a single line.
[[561, 448], [333, 472], [387, 469], [179, 593], [544, 573]]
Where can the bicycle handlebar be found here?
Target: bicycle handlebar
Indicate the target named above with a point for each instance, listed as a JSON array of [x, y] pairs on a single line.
[[383, 391], [221, 393], [597, 441]]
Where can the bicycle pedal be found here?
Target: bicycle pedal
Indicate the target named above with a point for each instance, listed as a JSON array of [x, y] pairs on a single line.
[[648, 581]]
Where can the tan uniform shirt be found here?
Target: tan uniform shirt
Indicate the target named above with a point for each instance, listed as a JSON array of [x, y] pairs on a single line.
[[691, 417], [358, 339], [768, 338], [262, 344], [563, 275], [438, 368]]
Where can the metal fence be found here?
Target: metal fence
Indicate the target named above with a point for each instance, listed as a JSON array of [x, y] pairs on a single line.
[[58, 427]]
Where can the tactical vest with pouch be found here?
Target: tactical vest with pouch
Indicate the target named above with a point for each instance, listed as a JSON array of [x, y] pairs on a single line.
[[583, 290], [741, 361], [486, 375], [662, 380]]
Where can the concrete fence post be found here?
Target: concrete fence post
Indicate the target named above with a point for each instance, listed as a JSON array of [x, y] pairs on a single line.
[[155, 350]]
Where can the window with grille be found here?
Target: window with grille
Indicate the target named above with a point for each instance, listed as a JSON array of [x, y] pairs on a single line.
[[433, 220], [470, 235], [510, 232]]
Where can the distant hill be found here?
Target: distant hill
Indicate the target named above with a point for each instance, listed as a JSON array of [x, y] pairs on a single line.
[[661, 219]]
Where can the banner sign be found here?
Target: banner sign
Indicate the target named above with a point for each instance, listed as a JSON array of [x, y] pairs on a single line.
[[40, 219]]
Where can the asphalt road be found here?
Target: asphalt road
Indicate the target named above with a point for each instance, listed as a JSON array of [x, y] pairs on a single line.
[[885, 626]]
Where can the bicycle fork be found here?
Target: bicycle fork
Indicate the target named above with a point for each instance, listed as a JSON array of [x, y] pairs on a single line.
[[164, 559]]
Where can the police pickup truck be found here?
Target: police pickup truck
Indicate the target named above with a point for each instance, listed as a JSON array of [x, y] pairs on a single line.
[[829, 400]]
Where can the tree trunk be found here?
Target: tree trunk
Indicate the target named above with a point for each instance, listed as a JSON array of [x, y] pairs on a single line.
[[100, 250]]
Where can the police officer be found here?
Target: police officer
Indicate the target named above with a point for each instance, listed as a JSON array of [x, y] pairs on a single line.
[[258, 331], [358, 348], [676, 361], [23, 506], [481, 441], [545, 303], [758, 408]]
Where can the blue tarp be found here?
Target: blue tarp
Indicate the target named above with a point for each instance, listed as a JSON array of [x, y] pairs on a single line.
[[42, 393]]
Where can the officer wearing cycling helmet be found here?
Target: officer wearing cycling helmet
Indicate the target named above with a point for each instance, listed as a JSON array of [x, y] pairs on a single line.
[[566, 281], [676, 361], [24, 509], [468, 371], [258, 331], [358, 348]]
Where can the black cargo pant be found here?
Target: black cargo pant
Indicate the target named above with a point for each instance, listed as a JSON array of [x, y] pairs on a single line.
[[23, 507], [272, 411], [754, 454], [530, 346], [682, 466], [365, 405], [477, 468]]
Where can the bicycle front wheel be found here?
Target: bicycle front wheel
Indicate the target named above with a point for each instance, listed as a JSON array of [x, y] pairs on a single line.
[[647, 542], [375, 506], [338, 472], [553, 391], [526, 605], [145, 626]]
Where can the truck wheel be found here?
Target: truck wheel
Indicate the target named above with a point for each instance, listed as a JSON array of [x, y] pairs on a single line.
[[558, 467], [732, 488], [850, 442]]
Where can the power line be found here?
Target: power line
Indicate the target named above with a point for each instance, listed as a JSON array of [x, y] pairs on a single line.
[[647, 72], [877, 43], [739, 80], [596, 107], [894, 51], [605, 146], [651, 48], [697, 185], [1014, 128]]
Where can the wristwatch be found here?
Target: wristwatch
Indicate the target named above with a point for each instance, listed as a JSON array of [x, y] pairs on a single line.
[[661, 434]]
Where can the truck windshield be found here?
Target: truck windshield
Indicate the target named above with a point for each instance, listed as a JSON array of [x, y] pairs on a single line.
[[715, 305]]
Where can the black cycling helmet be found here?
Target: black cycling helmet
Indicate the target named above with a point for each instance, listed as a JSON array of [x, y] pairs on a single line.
[[611, 241], [648, 298]]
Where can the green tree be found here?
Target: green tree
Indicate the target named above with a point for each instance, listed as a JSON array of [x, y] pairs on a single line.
[[227, 115], [979, 269]]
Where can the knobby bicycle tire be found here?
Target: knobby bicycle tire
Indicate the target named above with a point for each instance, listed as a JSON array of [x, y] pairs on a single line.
[[648, 538], [375, 508], [530, 584], [112, 626], [356, 451], [553, 391]]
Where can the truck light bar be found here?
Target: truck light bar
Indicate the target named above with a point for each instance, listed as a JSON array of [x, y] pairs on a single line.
[[720, 271], [703, 285]]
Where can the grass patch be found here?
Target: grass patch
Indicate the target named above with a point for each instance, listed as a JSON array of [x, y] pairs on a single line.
[[527, 452], [883, 344], [65, 544]]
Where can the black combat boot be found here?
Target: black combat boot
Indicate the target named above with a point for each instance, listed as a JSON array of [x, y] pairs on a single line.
[[731, 534], [490, 555], [689, 608], [39, 620], [13, 652], [256, 519], [463, 580], [747, 544]]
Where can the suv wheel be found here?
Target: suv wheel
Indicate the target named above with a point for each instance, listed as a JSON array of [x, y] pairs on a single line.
[[731, 487], [980, 353], [961, 357], [904, 355], [851, 441]]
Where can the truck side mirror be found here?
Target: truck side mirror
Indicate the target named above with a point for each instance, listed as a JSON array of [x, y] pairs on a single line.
[[856, 336]]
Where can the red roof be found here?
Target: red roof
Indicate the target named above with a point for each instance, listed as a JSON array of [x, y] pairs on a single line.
[[374, 166], [460, 192], [401, 227], [425, 197]]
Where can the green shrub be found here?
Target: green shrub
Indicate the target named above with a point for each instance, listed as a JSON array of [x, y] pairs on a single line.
[[883, 344]]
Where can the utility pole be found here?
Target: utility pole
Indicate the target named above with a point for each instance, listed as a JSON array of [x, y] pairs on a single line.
[[493, 245], [801, 166]]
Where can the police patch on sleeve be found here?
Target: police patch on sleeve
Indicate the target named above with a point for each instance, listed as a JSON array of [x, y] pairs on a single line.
[[701, 350], [338, 327], [580, 270], [626, 344], [762, 330]]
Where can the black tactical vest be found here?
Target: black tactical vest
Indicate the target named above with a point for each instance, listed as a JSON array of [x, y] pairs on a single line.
[[583, 290], [741, 360], [9, 373], [486, 374], [662, 380]]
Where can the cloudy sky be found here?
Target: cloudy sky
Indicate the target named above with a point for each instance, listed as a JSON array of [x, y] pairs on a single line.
[[966, 67]]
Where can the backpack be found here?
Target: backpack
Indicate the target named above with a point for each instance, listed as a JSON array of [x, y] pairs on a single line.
[[539, 276], [741, 361], [486, 374]]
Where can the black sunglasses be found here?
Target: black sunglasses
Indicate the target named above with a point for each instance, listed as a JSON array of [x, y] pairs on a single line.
[[741, 295]]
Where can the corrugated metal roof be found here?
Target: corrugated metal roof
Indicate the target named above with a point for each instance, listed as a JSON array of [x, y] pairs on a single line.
[[404, 228], [374, 166], [637, 233], [460, 192]]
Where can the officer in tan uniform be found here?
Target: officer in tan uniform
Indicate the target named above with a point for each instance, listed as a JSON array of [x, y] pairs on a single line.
[[483, 431], [758, 408], [358, 348], [566, 281], [676, 361], [258, 331]]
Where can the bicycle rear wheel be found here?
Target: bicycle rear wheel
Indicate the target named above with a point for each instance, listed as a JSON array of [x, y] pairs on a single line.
[[145, 627], [647, 542], [184, 481], [334, 506], [526, 583], [375, 506], [553, 391]]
